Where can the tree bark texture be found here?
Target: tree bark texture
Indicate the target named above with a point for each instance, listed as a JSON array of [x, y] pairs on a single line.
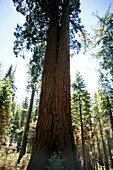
[[54, 128]]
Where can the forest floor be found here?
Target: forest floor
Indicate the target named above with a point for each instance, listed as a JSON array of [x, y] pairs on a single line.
[[9, 157]]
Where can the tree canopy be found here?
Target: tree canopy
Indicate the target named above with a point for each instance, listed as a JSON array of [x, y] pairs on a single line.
[[34, 32], [103, 41]]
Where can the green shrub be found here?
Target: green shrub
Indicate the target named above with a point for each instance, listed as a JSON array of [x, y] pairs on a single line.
[[55, 163]]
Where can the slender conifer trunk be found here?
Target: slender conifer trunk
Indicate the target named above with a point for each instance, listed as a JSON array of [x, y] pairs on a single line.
[[99, 153], [109, 149], [24, 141], [110, 113], [104, 147], [82, 135]]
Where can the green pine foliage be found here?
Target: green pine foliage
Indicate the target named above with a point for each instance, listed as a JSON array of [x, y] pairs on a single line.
[[92, 123], [105, 93], [81, 118], [34, 31], [103, 41], [81, 96], [92, 120], [21, 122], [17, 125], [55, 163], [5, 105], [102, 122]]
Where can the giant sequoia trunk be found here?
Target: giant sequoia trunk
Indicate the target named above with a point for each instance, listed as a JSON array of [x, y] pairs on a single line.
[[54, 127]]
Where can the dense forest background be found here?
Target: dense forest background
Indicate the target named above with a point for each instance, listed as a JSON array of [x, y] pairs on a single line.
[[92, 116]]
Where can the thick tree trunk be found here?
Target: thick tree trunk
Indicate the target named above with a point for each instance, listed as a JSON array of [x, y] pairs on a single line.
[[54, 128], [24, 141], [63, 126], [43, 146]]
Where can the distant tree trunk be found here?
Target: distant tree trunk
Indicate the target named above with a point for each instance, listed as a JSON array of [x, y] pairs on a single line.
[[109, 148], [19, 140], [90, 147], [99, 152], [24, 141], [88, 162], [104, 147], [54, 127], [95, 159], [82, 134], [110, 114]]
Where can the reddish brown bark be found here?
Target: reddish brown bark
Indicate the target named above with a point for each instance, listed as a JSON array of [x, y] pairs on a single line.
[[43, 143], [54, 127], [63, 124]]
